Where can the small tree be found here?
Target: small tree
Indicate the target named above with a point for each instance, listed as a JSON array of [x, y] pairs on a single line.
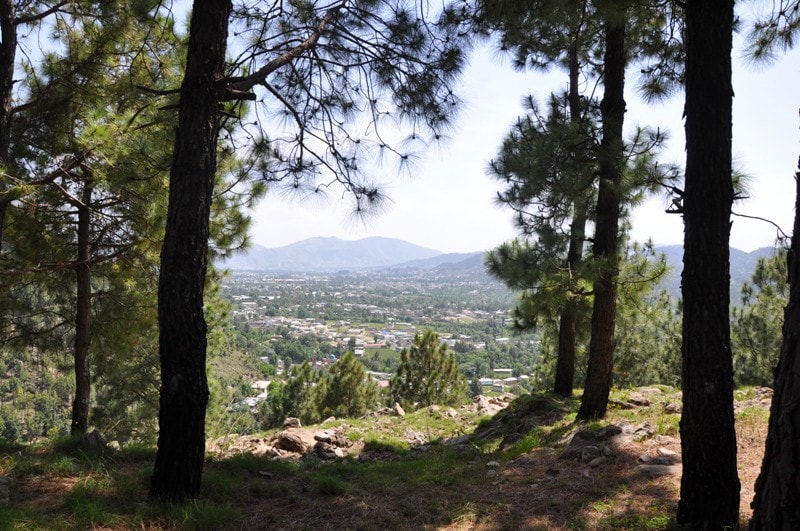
[[350, 392], [428, 374]]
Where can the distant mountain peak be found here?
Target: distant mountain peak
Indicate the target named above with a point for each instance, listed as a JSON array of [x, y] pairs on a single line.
[[330, 253]]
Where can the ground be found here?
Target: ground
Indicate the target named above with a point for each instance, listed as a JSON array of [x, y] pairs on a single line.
[[409, 472]]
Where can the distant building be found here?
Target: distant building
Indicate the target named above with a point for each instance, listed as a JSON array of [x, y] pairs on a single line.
[[260, 385]]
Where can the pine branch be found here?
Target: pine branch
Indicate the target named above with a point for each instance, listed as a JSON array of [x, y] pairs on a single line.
[[246, 83], [39, 16]]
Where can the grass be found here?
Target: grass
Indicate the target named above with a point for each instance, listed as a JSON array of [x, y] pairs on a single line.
[[400, 485]]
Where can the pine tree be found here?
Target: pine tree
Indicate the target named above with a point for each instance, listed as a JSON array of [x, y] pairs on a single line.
[[428, 374], [756, 333], [776, 505], [710, 484], [550, 162], [328, 62], [350, 391]]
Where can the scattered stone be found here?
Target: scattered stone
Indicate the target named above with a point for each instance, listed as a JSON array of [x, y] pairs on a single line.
[[398, 410], [638, 399], [672, 408], [586, 473], [620, 404], [492, 473], [597, 461], [457, 441], [265, 474], [414, 438], [114, 445], [607, 451], [295, 440], [656, 470], [584, 444], [493, 464], [328, 451], [666, 452], [291, 422], [588, 453], [666, 440], [450, 413], [643, 431], [434, 409]]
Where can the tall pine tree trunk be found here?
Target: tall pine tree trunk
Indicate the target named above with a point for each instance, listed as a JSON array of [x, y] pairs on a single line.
[[610, 164], [8, 50], [182, 334], [777, 502], [710, 484], [568, 320], [83, 316]]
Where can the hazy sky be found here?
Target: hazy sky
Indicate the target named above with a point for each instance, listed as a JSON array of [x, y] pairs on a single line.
[[449, 204]]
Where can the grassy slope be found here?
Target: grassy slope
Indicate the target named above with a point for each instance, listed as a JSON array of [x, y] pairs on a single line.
[[440, 487]]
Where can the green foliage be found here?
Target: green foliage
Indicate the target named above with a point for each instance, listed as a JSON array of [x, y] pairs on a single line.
[[298, 397], [350, 391], [756, 331], [428, 374], [648, 331]]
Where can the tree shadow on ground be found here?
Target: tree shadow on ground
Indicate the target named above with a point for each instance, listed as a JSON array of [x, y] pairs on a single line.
[[521, 483]]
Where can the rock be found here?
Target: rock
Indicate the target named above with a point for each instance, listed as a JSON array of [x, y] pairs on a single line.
[[659, 460], [434, 409], [493, 464], [607, 432], [94, 443], [672, 408], [656, 470], [666, 452], [323, 436], [597, 461], [666, 440], [492, 473], [450, 413], [584, 439], [589, 453], [607, 451], [291, 422], [643, 431], [295, 440], [638, 399], [398, 410], [328, 451], [114, 445], [620, 404], [456, 441], [5, 490]]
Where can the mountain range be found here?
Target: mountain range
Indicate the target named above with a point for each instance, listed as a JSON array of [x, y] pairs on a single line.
[[316, 255]]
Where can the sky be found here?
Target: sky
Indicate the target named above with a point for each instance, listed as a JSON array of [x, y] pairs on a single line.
[[448, 205]]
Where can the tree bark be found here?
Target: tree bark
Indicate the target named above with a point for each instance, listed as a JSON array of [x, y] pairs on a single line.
[[568, 320], [710, 484], [8, 50], [776, 505], [184, 256], [83, 316], [605, 253]]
